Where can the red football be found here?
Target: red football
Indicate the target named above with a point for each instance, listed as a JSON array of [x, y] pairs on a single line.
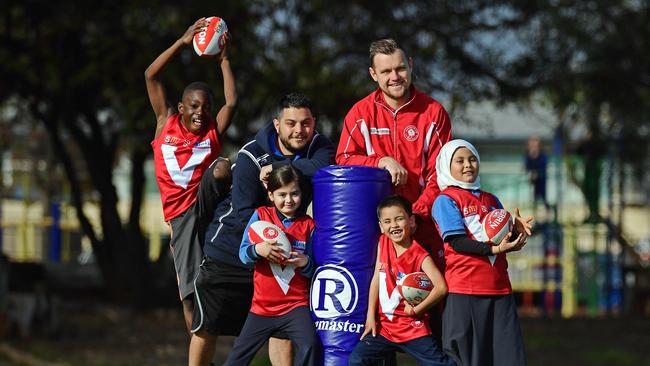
[[496, 225], [210, 41], [260, 231], [415, 287]]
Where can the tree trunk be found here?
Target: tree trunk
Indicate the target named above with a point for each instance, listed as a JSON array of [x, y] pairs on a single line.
[[142, 274], [120, 251]]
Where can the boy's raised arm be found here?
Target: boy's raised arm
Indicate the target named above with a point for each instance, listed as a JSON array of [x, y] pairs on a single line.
[[226, 113], [155, 88]]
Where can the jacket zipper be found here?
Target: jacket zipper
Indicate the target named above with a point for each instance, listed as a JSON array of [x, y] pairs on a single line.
[[395, 123]]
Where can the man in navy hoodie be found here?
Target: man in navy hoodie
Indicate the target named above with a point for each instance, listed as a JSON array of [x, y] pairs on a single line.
[[224, 285]]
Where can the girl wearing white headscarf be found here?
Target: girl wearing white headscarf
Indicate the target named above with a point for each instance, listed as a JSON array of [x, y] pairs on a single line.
[[480, 311]]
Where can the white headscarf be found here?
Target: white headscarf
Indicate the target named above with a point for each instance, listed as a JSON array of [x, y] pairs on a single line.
[[443, 165]]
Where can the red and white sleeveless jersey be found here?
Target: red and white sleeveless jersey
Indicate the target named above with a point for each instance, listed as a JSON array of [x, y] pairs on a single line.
[[394, 324], [475, 274], [278, 288], [180, 158]]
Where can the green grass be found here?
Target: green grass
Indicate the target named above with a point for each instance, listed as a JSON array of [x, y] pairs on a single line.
[[542, 342], [609, 357]]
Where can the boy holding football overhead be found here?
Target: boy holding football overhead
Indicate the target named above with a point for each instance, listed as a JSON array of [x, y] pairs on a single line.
[[480, 312], [391, 322], [187, 145]]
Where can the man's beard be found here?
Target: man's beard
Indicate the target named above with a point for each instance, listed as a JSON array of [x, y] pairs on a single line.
[[287, 145]]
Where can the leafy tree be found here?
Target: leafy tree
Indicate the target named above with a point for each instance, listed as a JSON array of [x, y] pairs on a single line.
[[591, 62], [77, 68]]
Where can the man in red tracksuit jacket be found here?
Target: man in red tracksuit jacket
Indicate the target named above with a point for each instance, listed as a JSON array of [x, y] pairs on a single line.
[[400, 129]]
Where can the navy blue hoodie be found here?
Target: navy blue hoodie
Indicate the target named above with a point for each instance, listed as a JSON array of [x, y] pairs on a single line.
[[224, 233]]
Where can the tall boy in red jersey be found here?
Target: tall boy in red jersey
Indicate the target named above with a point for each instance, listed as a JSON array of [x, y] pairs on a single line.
[[186, 145]]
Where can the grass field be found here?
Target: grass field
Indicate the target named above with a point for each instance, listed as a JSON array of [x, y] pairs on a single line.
[[100, 335]]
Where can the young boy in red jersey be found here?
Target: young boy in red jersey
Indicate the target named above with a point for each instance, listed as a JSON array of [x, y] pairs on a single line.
[[400, 325], [480, 326], [186, 145]]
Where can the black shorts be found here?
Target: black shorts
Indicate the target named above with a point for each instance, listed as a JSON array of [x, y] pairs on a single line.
[[221, 302], [223, 296]]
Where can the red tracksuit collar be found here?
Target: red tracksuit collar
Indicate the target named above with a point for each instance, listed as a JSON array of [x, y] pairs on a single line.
[[380, 99]]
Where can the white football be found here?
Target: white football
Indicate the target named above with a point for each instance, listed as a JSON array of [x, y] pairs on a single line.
[[260, 231], [210, 41], [415, 287], [496, 225]]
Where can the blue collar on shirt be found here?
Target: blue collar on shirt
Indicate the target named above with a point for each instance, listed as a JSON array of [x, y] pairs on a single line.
[[273, 138], [286, 221]]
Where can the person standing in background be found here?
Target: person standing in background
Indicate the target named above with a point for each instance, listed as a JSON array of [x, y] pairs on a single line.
[[536, 163]]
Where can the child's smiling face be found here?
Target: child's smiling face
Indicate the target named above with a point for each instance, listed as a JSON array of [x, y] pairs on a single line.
[[287, 198], [464, 165], [397, 224], [196, 109]]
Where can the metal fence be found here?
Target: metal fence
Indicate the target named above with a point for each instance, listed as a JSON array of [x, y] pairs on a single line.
[[571, 267], [29, 234]]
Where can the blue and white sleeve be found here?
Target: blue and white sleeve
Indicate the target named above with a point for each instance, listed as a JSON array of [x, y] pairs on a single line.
[[446, 214], [247, 252]]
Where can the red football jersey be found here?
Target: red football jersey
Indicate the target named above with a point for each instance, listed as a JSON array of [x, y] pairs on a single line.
[[180, 158], [475, 274], [394, 324], [279, 289]]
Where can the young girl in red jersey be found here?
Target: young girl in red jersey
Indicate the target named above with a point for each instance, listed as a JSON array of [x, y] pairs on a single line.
[[281, 286], [480, 324]]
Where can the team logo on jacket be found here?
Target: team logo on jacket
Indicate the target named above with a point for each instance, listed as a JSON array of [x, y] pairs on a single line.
[[411, 133], [334, 292]]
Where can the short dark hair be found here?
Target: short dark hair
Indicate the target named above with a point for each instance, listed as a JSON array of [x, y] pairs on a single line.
[[293, 100], [282, 176], [395, 200], [386, 46], [199, 85]]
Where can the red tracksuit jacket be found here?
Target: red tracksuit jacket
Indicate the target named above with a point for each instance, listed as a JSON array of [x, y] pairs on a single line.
[[412, 134]]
